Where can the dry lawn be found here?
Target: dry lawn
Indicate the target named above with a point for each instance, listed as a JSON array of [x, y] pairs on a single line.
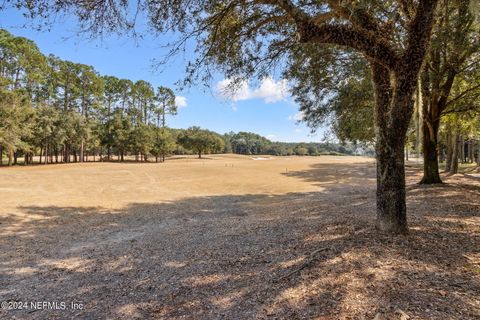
[[228, 237]]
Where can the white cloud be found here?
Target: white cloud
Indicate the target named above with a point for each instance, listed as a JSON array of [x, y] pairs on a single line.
[[298, 130], [180, 101], [297, 116], [269, 90], [272, 91]]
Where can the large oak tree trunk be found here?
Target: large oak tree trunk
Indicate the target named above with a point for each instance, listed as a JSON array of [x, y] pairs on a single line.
[[393, 111], [431, 173], [391, 196]]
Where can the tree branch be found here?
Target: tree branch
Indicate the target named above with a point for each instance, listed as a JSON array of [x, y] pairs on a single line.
[[461, 95], [344, 35], [290, 9], [419, 31]]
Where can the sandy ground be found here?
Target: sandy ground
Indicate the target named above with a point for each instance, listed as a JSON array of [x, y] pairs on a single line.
[[225, 238]]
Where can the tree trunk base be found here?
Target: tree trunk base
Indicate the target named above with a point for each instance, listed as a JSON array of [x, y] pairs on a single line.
[[387, 226], [431, 180]]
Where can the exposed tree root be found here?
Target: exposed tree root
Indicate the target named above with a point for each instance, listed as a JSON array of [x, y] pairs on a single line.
[[310, 259]]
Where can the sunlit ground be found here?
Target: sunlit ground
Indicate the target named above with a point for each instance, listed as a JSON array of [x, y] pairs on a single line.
[[223, 237]]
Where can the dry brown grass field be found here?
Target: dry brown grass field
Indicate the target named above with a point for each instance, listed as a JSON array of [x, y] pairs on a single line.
[[230, 237]]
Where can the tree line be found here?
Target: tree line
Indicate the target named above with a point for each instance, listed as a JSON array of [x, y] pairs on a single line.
[[63, 111], [52, 111], [253, 144]]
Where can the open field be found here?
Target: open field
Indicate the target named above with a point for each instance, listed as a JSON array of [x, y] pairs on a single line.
[[225, 237]]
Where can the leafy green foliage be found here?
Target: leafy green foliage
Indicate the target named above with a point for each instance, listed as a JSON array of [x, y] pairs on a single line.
[[15, 124], [165, 98], [201, 141], [248, 143], [164, 142], [55, 107]]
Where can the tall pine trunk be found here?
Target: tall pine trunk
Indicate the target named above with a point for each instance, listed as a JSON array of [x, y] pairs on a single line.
[[10, 157], [81, 151]]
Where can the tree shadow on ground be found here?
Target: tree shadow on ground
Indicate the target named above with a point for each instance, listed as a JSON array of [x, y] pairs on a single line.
[[337, 174], [233, 257]]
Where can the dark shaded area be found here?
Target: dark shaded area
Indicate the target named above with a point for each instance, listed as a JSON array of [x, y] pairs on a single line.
[[223, 257]]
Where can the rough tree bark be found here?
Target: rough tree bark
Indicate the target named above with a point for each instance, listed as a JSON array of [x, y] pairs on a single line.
[[435, 93], [81, 151], [469, 151], [393, 111], [455, 154], [449, 156], [478, 153], [10, 157], [431, 172]]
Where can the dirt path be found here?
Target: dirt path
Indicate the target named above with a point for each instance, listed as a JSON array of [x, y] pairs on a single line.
[[219, 239]]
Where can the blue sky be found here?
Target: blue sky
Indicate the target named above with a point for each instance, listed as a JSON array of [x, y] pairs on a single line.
[[264, 108]]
